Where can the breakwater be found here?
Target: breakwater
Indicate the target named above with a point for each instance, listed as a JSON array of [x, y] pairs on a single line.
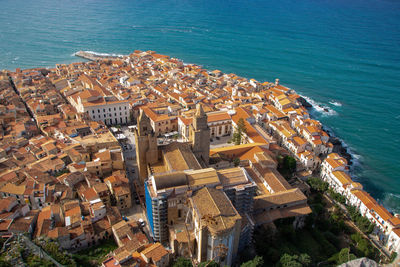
[[96, 56]]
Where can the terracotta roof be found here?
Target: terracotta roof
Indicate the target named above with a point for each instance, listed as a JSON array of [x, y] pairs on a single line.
[[155, 252], [382, 212], [343, 177], [215, 209], [218, 116], [13, 189], [366, 199], [5, 224]]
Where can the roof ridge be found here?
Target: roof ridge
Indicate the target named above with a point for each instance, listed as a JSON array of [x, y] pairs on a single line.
[[215, 204]]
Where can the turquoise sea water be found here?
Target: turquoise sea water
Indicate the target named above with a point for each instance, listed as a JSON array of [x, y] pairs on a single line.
[[328, 50]]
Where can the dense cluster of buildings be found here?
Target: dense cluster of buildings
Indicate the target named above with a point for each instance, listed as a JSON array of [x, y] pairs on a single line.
[[334, 170], [63, 173]]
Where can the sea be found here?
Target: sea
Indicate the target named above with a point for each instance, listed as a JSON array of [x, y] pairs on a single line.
[[344, 56]]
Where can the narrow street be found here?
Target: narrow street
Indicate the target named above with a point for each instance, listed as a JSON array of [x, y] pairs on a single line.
[[137, 212]]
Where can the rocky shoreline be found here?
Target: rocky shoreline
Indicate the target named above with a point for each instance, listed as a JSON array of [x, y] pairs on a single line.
[[338, 145]]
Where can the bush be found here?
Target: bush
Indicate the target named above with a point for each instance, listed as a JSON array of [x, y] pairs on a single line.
[[256, 262], [362, 222], [336, 196], [52, 248], [36, 261], [317, 184], [363, 247], [295, 260], [392, 257], [344, 256], [287, 166], [183, 262]]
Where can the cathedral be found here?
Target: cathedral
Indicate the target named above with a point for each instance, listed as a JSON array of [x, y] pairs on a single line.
[[153, 158]]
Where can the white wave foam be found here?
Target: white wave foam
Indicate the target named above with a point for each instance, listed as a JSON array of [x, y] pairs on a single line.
[[319, 107], [335, 103], [391, 202], [356, 159], [104, 54]]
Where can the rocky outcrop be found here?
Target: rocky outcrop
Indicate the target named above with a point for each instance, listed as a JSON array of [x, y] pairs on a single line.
[[304, 102], [340, 149], [361, 262]]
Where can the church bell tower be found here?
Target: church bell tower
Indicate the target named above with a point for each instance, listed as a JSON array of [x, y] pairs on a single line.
[[146, 146], [200, 136]]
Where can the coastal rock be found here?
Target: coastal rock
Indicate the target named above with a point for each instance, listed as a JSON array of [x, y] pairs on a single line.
[[361, 262], [340, 149], [304, 102]]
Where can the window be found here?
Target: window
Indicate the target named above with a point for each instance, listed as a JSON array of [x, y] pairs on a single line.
[[115, 109], [109, 109], [98, 111], [93, 111], [125, 107], [104, 110], [119, 108]]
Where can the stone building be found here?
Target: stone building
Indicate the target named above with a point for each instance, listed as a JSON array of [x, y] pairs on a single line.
[[199, 136]]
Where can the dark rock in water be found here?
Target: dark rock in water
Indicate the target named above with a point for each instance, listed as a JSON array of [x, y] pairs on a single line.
[[304, 102], [340, 149]]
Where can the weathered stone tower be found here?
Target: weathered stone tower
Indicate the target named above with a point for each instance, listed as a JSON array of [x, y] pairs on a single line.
[[146, 146], [200, 136]]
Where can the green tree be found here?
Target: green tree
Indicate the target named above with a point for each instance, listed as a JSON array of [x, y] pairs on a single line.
[[345, 256], [289, 163], [236, 162], [305, 259], [317, 184], [183, 262], [240, 130], [301, 260], [4, 263], [287, 166], [256, 262], [289, 261]]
